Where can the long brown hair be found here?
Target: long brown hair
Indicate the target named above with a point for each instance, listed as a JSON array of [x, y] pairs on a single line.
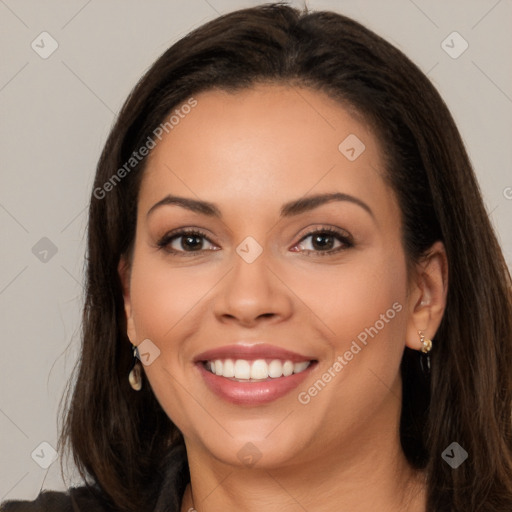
[[121, 439]]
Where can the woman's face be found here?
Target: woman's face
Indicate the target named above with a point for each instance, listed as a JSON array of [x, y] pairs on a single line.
[[276, 281]]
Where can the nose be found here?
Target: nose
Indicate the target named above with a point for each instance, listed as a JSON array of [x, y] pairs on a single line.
[[252, 293]]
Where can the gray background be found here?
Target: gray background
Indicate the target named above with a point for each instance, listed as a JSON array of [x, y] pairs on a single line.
[[57, 112]]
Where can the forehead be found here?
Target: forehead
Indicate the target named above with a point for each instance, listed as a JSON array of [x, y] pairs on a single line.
[[268, 143]]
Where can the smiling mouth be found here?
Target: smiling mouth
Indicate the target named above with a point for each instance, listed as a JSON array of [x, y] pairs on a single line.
[[258, 370]]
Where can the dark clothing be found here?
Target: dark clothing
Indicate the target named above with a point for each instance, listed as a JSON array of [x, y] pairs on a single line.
[[83, 499], [75, 500]]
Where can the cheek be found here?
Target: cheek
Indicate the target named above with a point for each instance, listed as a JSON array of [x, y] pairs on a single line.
[[366, 311], [369, 291], [366, 314], [377, 305], [163, 296], [370, 295], [379, 323], [165, 302]]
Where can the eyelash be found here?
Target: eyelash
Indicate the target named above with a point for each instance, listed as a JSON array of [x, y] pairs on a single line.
[[166, 240]]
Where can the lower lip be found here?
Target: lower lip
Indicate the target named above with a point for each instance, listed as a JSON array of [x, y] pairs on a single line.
[[252, 393]]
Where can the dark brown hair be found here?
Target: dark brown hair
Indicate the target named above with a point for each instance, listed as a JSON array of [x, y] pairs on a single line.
[[121, 439]]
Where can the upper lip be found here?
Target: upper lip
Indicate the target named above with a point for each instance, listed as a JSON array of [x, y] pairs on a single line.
[[250, 352]]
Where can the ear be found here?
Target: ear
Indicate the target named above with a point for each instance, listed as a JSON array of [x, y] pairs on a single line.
[[124, 272], [427, 295]]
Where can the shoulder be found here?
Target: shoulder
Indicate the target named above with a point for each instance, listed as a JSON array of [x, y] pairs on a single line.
[[174, 471], [76, 499], [47, 500]]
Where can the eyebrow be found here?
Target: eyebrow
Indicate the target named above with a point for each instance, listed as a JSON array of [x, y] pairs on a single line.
[[290, 209]]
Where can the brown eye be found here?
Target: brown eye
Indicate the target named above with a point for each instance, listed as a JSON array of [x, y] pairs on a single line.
[[184, 241], [325, 241]]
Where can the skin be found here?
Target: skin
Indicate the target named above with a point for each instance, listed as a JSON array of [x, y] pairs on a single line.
[[249, 153]]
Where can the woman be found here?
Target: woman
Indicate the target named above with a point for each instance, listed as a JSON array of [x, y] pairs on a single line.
[[295, 299]]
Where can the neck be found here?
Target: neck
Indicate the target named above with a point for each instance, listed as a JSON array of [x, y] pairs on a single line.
[[367, 472], [277, 491]]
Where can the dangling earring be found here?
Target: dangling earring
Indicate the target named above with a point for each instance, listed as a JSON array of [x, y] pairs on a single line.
[[135, 375], [425, 349], [426, 343]]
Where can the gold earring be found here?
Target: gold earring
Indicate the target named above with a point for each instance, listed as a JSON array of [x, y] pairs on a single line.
[[135, 375], [425, 342]]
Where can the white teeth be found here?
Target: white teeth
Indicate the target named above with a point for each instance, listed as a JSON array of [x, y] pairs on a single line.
[[242, 369], [300, 367], [287, 368], [259, 369], [229, 369], [255, 370], [275, 369]]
